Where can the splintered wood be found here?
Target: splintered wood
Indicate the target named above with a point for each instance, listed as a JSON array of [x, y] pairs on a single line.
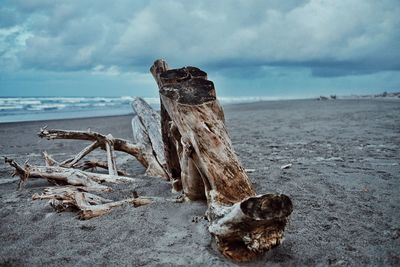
[[243, 224]]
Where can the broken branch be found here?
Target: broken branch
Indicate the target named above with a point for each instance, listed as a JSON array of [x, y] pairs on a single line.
[[88, 205], [61, 175]]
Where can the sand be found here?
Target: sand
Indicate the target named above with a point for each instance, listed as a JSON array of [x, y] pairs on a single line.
[[344, 181]]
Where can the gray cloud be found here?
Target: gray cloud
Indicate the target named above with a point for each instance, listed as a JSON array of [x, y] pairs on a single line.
[[332, 38]]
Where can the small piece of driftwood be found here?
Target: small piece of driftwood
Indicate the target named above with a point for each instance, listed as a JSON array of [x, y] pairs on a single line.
[[88, 205]]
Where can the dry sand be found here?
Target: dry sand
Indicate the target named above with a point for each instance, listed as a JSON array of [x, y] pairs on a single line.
[[344, 182]]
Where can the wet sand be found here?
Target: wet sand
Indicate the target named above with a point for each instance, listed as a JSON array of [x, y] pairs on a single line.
[[344, 181]]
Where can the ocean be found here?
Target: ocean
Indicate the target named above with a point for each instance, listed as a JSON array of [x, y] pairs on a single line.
[[19, 109]]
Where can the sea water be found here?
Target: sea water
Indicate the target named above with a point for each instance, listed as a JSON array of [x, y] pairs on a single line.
[[19, 109]]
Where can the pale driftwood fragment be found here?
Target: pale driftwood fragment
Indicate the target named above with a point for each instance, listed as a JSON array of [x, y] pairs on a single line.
[[286, 166], [60, 175], [112, 167], [243, 224], [140, 136], [150, 120], [48, 159], [87, 164], [88, 205]]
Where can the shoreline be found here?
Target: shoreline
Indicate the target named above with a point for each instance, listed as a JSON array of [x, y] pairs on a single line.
[[226, 105], [66, 119]]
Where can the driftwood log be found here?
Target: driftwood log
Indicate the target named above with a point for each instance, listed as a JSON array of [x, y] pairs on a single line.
[[200, 157]]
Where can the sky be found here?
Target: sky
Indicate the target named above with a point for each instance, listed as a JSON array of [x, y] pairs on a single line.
[[271, 48]]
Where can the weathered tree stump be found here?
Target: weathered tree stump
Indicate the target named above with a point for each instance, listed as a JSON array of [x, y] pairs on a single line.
[[201, 159]]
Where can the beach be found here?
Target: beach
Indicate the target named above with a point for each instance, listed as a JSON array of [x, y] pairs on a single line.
[[342, 173]]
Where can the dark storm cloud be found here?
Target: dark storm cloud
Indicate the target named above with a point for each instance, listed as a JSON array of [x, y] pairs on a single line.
[[331, 38]]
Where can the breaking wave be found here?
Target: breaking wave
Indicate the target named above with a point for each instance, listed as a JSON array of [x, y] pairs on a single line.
[[14, 109]]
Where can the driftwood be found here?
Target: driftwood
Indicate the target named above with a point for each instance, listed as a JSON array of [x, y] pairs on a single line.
[[147, 147], [243, 224], [146, 131], [73, 187], [87, 164], [106, 142], [170, 152], [74, 194], [110, 144], [191, 148], [87, 204], [58, 175]]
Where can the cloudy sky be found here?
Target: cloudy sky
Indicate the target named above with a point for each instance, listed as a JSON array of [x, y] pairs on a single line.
[[249, 48]]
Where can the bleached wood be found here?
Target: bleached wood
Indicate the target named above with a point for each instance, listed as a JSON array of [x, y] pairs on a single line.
[[150, 120], [87, 164], [118, 143], [69, 176], [71, 162], [140, 136], [88, 205], [49, 161], [112, 167], [142, 151], [88, 211]]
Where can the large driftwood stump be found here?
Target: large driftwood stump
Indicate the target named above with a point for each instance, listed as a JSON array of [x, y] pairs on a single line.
[[201, 159]]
